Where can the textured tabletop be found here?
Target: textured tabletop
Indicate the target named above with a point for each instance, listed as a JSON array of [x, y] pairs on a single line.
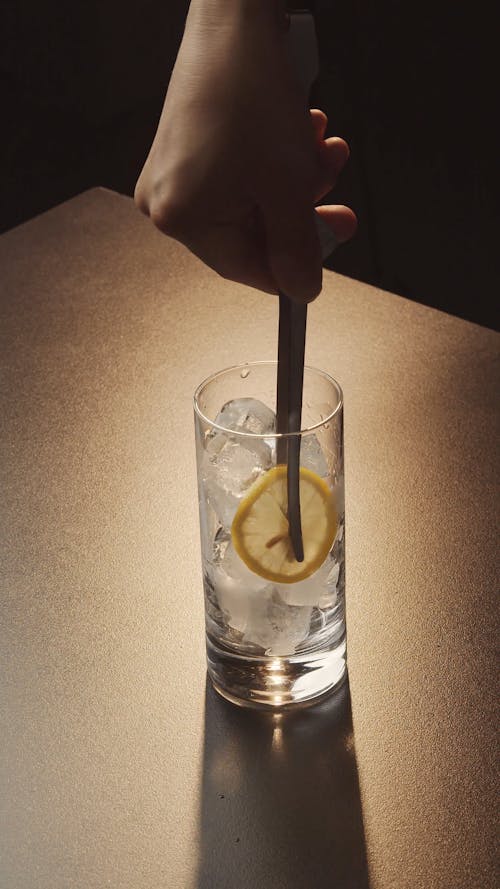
[[119, 766]]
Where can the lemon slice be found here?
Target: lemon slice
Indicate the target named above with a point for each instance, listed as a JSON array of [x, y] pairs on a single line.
[[260, 527]]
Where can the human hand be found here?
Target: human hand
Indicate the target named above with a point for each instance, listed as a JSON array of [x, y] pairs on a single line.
[[238, 162]]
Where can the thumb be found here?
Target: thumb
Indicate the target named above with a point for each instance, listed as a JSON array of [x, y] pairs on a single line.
[[293, 249]]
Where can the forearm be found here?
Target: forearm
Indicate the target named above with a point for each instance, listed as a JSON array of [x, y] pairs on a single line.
[[266, 14], [227, 46]]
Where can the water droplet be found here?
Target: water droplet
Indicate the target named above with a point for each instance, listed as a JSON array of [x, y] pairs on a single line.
[[245, 373]]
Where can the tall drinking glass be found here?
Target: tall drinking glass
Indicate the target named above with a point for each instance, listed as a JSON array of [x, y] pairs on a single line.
[[275, 627]]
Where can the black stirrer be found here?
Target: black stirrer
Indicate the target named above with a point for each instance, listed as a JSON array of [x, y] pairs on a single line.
[[291, 348]]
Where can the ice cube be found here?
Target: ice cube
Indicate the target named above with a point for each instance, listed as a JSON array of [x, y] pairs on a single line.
[[311, 455], [252, 606], [228, 474], [236, 587], [247, 415], [274, 626], [231, 464], [232, 602], [330, 591], [221, 542], [338, 497], [307, 592], [236, 568], [333, 576], [243, 415]]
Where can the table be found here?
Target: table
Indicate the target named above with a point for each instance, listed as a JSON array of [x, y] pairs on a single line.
[[120, 766]]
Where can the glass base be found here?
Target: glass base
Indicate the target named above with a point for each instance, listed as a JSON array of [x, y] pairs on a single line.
[[276, 683]]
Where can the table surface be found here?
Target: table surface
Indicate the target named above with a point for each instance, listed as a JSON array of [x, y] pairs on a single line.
[[120, 767]]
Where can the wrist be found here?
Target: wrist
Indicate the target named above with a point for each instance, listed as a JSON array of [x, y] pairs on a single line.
[[269, 14]]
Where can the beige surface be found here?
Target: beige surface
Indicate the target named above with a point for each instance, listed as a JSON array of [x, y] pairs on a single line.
[[119, 768]]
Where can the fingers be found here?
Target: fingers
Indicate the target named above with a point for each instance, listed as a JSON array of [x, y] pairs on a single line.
[[294, 251], [292, 241], [293, 248], [340, 219], [236, 252], [269, 252], [275, 246], [319, 123], [333, 155]]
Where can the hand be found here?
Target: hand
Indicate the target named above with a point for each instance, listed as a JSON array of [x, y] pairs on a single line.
[[237, 162]]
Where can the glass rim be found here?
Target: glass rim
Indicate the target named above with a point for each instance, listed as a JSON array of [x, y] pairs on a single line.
[[308, 430]]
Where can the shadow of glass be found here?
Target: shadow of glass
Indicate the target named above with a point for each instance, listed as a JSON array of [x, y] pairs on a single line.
[[280, 803]]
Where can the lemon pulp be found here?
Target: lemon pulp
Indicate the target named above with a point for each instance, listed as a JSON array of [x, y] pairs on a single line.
[[260, 531]]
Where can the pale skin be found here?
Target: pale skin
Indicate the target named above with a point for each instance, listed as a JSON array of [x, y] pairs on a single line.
[[238, 164]]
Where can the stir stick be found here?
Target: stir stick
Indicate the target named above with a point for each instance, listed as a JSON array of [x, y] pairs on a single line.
[[291, 348]]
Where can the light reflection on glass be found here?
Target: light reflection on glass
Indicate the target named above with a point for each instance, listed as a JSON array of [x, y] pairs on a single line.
[[277, 741], [276, 680]]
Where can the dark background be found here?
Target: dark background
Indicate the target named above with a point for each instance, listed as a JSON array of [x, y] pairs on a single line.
[[412, 89]]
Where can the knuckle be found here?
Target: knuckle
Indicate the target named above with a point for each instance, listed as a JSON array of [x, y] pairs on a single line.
[[140, 198], [170, 217], [156, 199]]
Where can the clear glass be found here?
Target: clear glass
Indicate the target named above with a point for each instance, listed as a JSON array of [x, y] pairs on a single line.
[[269, 645]]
